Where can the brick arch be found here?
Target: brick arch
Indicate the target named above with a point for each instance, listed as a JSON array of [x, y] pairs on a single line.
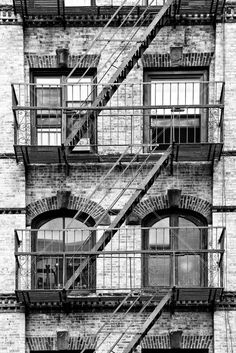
[[50, 61], [188, 341], [187, 202], [41, 342], [64, 199]]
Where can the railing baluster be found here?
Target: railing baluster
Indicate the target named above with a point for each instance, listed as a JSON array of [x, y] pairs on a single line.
[[119, 264]]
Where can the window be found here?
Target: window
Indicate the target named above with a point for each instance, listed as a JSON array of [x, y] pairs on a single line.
[[170, 239], [52, 122], [56, 243], [176, 122]]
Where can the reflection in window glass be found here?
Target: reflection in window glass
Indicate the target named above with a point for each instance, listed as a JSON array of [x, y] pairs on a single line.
[[56, 237], [180, 268]]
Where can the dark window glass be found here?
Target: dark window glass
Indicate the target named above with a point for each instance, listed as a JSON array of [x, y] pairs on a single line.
[[56, 237], [181, 268]]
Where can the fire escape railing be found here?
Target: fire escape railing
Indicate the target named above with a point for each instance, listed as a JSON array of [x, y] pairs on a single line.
[[46, 259], [123, 120]]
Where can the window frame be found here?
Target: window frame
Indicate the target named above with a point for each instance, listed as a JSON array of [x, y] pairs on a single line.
[[174, 216], [42, 219], [200, 74], [60, 74]]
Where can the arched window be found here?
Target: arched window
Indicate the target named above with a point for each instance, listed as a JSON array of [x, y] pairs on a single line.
[[176, 243], [57, 242]]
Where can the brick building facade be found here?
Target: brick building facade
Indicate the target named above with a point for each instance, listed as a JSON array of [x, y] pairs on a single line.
[[117, 164]]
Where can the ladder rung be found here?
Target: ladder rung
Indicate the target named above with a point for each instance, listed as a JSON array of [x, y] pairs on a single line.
[[120, 188]]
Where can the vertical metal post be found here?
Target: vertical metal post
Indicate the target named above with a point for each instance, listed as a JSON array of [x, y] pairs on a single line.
[[64, 270], [130, 272], [173, 269], [17, 263]]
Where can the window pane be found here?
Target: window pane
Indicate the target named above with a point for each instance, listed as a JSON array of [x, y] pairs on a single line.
[[189, 235], [189, 270], [159, 270], [49, 236], [48, 92], [181, 129], [48, 137], [75, 237], [175, 92], [79, 90], [49, 97], [159, 237], [189, 266], [55, 236], [48, 120]]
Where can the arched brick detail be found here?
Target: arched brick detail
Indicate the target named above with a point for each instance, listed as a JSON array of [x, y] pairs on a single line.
[[188, 60], [44, 343], [187, 342], [50, 61], [40, 343], [74, 203], [187, 202], [81, 342]]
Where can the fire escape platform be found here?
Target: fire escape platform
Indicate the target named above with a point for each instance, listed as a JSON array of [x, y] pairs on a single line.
[[52, 10], [199, 152], [196, 296]]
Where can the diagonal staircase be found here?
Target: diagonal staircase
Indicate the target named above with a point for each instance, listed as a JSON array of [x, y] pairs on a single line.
[[119, 329], [140, 191], [81, 125], [153, 317]]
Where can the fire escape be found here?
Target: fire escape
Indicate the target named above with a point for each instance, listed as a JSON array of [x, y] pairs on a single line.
[[144, 161]]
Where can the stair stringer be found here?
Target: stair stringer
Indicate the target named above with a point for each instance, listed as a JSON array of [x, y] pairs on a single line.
[[153, 317]]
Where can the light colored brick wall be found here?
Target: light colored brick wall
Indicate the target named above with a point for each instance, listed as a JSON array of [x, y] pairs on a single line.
[[230, 86], [11, 62], [224, 181], [12, 184], [6, 2], [83, 324], [12, 336], [224, 331], [192, 178], [7, 259], [12, 176]]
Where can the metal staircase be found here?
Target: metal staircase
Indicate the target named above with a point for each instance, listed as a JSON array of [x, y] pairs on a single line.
[[138, 193], [81, 125], [117, 330]]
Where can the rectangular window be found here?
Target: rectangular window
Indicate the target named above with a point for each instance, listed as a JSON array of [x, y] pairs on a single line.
[[174, 112], [53, 121], [48, 120]]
